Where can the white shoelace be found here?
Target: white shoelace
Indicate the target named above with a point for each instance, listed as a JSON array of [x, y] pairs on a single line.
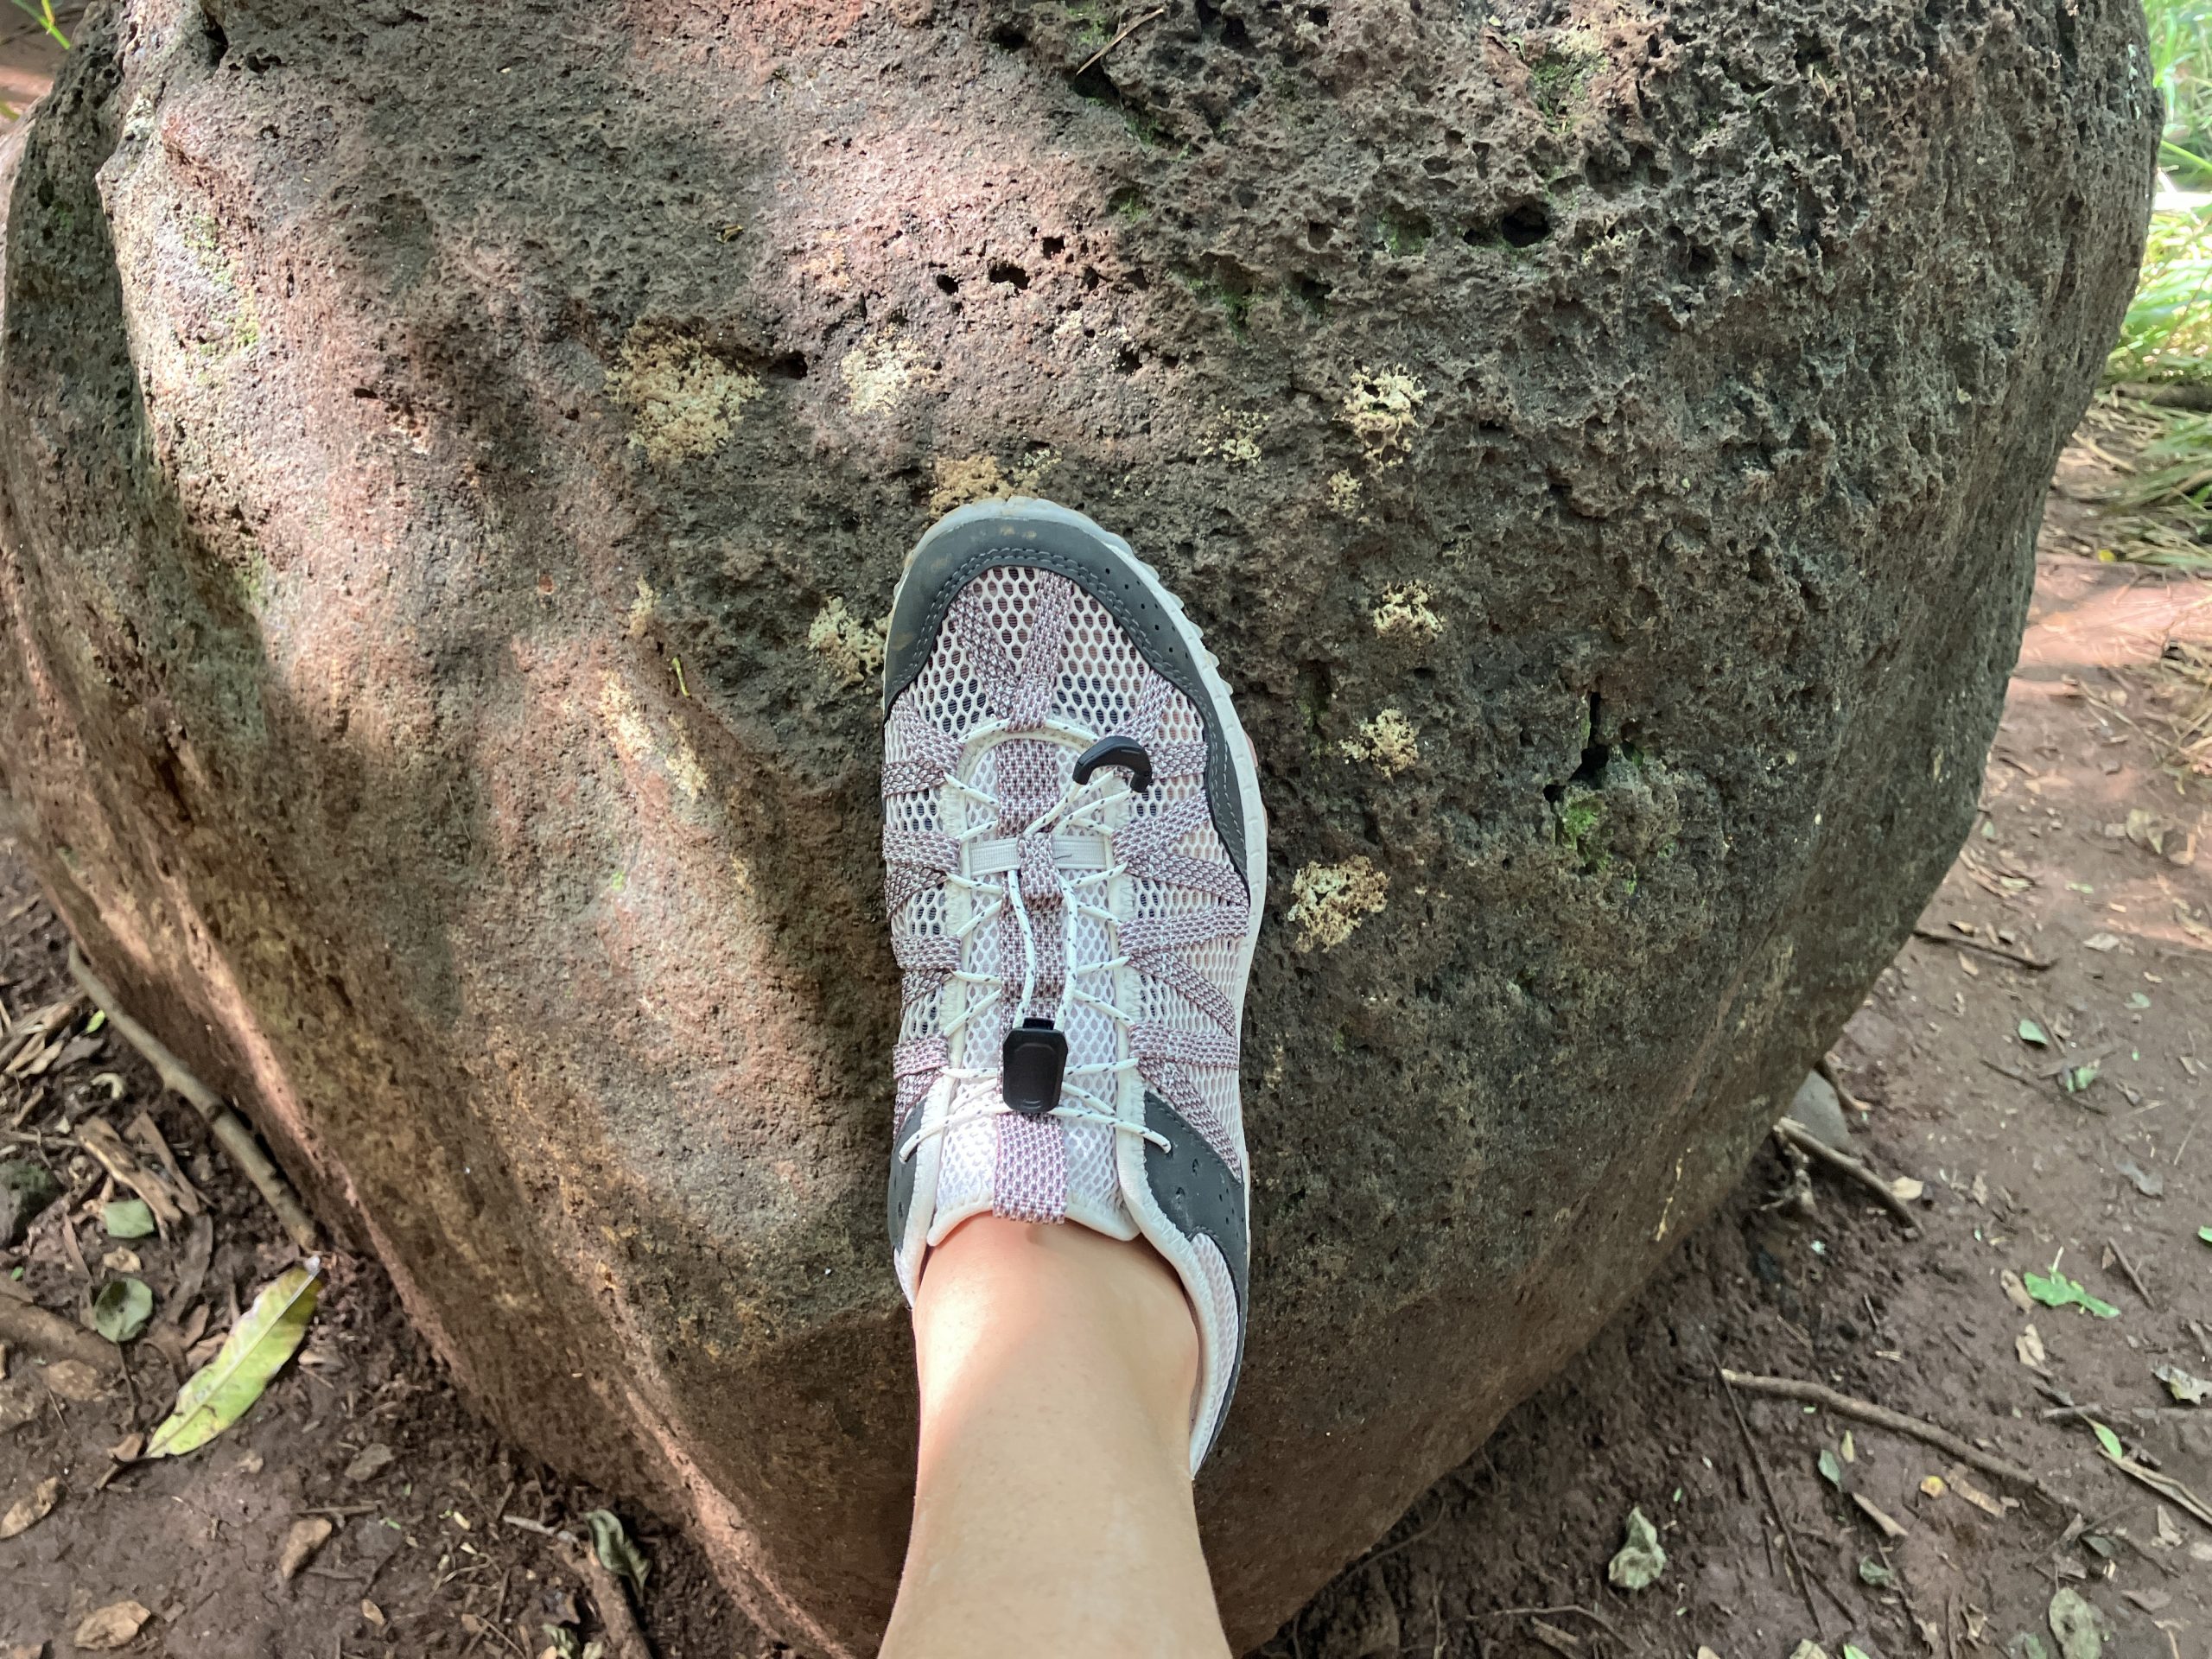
[[1072, 812]]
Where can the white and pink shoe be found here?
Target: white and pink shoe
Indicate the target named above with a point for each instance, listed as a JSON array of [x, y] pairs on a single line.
[[1076, 866]]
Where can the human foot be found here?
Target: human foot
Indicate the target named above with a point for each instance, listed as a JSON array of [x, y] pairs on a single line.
[[1076, 867]]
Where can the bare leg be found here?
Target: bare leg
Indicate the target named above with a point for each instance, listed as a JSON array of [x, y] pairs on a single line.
[[1053, 1509]]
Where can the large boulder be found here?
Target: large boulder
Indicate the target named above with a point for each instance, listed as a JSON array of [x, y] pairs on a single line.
[[457, 454]]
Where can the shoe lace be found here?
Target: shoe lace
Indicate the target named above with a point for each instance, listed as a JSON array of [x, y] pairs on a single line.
[[1077, 811]]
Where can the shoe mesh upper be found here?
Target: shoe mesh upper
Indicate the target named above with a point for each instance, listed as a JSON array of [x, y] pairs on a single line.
[[1026, 670]]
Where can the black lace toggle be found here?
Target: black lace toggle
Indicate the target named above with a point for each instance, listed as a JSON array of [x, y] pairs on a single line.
[[1034, 1057]]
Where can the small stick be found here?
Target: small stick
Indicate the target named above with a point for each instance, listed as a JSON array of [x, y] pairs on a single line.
[[2004, 1070], [1590, 1613], [230, 1131], [1786, 1388], [2134, 1277], [624, 1639], [51, 1337], [1766, 1485], [1825, 1067], [1118, 39], [1967, 942], [1813, 1146]]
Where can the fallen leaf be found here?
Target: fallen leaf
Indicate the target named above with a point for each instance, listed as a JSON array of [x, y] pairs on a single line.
[[122, 1261], [1964, 1487], [1850, 1652], [27, 1511], [1831, 1469], [626, 1561], [2077, 1624], [1809, 1650], [1850, 1452], [127, 1218], [127, 1449], [2102, 942], [374, 1613], [2015, 1291], [2032, 1033], [122, 1309], [1932, 1486], [2169, 1534], [2056, 1290], [308, 1534], [2075, 1078], [1888, 1527], [1640, 1560], [2149, 1184], [224, 1390], [74, 1381], [2029, 1346], [2189, 1390], [1906, 1189], [1873, 1574], [369, 1460], [2151, 1601], [113, 1626], [2107, 1440]]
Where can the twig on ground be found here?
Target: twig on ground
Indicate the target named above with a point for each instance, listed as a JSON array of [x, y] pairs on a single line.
[[2004, 1070], [1815, 1394], [2203, 1338], [1766, 1485], [51, 1337], [1813, 1146], [1591, 1614], [230, 1131], [2166, 1486], [1968, 942], [624, 1639], [1093, 59], [2134, 1277], [1826, 1068]]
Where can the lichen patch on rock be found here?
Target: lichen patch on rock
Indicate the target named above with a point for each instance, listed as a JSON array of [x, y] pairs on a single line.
[[854, 648], [1329, 901], [1234, 435], [1388, 740], [980, 477], [1343, 493], [1382, 408], [1405, 610], [878, 372], [684, 402]]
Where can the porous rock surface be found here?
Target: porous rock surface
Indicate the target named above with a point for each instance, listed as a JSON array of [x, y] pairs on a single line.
[[458, 454]]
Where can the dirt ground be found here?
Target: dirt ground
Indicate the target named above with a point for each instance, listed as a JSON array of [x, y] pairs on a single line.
[[2038, 1060]]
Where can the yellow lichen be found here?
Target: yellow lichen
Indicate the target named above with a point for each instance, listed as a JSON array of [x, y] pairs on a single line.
[[641, 608], [878, 370], [1388, 740], [1344, 493], [1382, 408], [1329, 901], [1234, 435], [980, 477], [683, 403], [633, 738], [1405, 610], [854, 648]]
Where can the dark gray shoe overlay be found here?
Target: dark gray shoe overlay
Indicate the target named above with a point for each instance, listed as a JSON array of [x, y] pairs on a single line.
[[1194, 1186]]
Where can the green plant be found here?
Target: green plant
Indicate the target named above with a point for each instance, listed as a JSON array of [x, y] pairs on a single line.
[[41, 12], [2168, 333]]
